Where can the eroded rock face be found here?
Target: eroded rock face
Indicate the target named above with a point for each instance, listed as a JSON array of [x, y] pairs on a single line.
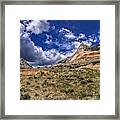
[[24, 64], [84, 56]]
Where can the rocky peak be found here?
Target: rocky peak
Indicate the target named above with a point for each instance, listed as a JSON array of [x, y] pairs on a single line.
[[83, 47], [84, 55], [24, 64]]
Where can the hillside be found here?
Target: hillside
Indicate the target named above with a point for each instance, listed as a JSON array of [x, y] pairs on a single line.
[[75, 78], [84, 56]]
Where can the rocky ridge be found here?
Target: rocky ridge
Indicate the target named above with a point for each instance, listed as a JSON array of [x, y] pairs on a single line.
[[24, 64]]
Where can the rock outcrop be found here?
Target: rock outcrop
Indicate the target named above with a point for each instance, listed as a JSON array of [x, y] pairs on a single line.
[[84, 56], [24, 64]]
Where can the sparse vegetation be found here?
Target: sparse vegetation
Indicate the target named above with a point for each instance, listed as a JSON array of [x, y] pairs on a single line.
[[60, 83]]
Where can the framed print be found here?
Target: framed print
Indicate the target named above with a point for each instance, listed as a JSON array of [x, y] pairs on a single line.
[[59, 59]]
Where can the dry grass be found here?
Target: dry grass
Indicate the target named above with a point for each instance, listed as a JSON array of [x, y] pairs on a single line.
[[60, 83]]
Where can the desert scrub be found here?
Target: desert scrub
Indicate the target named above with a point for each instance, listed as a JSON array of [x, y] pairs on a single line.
[[67, 88], [60, 83], [25, 97]]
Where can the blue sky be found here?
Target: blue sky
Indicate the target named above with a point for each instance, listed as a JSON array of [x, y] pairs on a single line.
[[45, 42]]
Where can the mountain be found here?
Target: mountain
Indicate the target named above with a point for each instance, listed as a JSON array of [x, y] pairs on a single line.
[[84, 56], [24, 64]]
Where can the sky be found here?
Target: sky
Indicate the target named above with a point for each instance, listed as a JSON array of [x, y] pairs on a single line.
[[45, 42]]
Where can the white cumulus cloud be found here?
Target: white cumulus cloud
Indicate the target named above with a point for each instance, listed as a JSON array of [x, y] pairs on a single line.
[[87, 43], [67, 33], [35, 54], [49, 39], [76, 44], [38, 26]]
